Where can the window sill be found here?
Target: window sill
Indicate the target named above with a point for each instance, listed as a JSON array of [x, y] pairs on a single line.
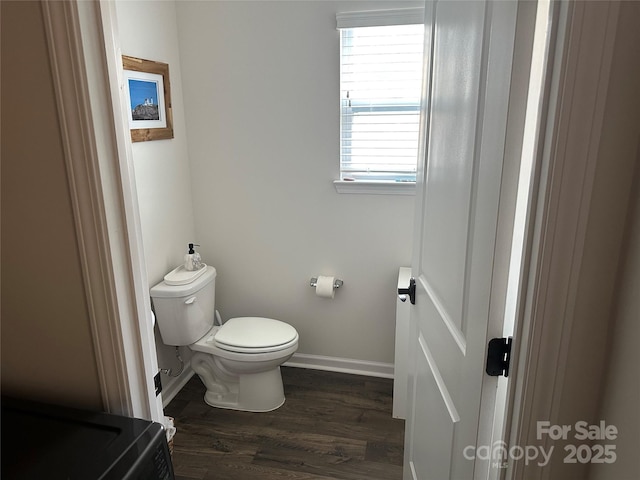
[[375, 187]]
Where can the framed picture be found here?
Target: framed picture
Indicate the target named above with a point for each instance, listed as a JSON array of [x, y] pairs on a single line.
[[149, 99]]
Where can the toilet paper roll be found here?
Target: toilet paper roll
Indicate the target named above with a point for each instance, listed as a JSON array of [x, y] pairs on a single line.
[[324, 287]]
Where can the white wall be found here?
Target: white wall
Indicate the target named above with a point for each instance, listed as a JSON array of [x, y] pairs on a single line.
[[162, 166], [261, 91], [163, 180]]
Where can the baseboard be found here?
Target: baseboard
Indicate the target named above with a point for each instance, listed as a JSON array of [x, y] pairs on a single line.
[[171, 389], [344, 365], [299, 360]]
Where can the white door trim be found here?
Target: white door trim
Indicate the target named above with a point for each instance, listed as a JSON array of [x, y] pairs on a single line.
[[105, 214], [85, 187], [138, 335], [566, 159]]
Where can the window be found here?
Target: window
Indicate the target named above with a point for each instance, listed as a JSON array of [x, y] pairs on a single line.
[[380, 88]]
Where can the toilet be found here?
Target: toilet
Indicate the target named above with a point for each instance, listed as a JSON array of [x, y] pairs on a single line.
[[238, 362]]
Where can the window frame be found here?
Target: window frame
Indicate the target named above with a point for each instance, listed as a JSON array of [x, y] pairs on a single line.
[[350, 20]]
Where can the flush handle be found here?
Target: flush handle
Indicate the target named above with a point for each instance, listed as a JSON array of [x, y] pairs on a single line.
[[189, 301]]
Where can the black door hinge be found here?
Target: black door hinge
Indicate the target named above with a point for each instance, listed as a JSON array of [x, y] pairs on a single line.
[[498, 357], [157, 383]]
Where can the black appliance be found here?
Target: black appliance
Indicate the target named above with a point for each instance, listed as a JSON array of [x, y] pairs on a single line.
[[41, 441]]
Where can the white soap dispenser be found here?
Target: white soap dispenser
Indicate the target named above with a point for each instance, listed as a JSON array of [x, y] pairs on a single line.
[[192, 260]]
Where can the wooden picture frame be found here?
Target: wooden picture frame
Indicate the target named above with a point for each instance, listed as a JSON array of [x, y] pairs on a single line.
[[149, 99]]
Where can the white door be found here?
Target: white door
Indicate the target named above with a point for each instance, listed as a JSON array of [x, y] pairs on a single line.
[[468, 49]]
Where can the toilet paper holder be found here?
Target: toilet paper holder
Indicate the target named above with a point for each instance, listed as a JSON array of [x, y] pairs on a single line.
[[336, 284]]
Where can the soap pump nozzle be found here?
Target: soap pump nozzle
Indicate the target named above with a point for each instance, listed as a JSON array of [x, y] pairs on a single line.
[[192, 259]]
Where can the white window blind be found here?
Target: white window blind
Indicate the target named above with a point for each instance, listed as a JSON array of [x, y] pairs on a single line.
[[380, 87]]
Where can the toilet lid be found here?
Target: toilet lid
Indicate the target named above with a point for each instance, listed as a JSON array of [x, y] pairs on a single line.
[[254, 332]]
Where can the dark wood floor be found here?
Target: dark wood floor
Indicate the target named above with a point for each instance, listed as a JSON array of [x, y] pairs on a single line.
[[332, 426]]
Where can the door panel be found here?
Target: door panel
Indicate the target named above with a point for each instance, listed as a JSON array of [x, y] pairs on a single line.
[[468, 50], [432, 394], [451, 140]]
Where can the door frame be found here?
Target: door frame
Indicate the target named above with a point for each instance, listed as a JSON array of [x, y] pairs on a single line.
[[85, 61], [573, 109]]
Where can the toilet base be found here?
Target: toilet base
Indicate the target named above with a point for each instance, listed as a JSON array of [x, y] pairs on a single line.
[[254, 392]]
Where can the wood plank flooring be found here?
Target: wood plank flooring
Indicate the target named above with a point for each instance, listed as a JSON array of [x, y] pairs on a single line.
[[332, 426]]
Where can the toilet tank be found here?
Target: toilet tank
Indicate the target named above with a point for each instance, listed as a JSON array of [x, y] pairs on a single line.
[[185, 312]]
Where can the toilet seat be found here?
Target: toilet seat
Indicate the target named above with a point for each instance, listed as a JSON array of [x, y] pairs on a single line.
[[255, 335]]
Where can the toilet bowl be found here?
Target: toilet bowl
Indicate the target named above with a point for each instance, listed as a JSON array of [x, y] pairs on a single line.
[[239, 361], [245, 373]]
